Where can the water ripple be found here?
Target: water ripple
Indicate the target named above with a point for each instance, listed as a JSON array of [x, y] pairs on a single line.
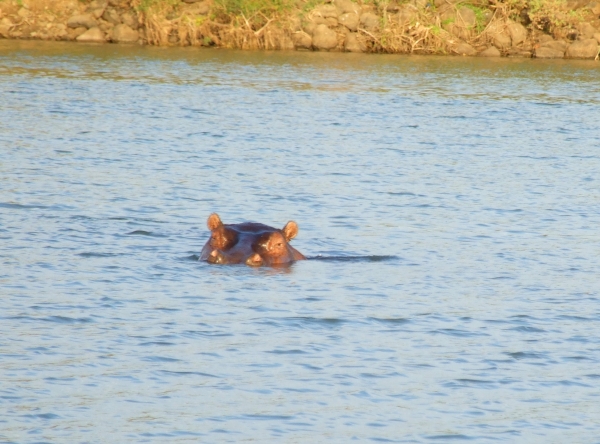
[[448, 208]]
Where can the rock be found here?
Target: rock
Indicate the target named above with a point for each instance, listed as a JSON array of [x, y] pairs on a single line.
[[487, 17], [347, 6], [492, 51], [5, 27], [332, 22], [369, 21], [111, 16], [326, 10], [353, 44], [74, 33], [459, 23], [586, 31], [295, 24], [465, 17], [464, 49], [302, 40], [519, 53], [517, 32], [324, 38], [558, 45], [547, 52], [92, 35], [28, 31], [582, 49], [23, 13], [543, 38], [597, 37], [407, 14], [318, 20], [594, 7], [130, 20], [309, 28], [392, 7], [97, 13], [202, 8], [349, 20], [502, 40], [576, 4], [105, 26], [60, 31], [82, 20], [96, 8], [124, 34]]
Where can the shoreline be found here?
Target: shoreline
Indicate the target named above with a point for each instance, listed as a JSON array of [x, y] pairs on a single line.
[[487, 28]]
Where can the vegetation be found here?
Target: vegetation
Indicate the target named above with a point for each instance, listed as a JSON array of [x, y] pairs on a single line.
[[552, 15], [146, 5], [480, 16], [250, 8], [270, 24]]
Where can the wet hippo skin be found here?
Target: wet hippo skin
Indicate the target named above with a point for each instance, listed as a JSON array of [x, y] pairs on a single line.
[[250, 243]]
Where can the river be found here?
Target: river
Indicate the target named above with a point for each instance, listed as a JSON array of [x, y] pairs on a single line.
[[449, 208]]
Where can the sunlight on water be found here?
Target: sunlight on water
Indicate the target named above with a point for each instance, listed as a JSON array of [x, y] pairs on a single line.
[[448, 208]]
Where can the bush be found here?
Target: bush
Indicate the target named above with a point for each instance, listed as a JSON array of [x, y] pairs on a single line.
[[552, 16]]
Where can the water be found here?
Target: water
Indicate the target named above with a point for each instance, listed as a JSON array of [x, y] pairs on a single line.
[[449, 208]]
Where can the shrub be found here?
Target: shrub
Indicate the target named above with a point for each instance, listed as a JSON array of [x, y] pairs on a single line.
[[552, 15]]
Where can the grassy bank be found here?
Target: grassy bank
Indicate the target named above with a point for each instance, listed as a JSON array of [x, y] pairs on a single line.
[[542, 28]]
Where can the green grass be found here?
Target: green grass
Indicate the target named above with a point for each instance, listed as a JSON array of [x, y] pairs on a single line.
[[250, 8], [311, 4], [479, 16], [147, 4], [549, 15]]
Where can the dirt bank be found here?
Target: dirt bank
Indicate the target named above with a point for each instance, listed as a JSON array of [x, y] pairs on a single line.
[[493, 28]]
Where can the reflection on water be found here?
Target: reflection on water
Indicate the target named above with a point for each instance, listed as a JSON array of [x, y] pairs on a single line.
[[448, 207]]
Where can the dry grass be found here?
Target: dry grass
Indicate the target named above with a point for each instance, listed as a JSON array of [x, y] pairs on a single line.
[[172, 24], [270, 24]]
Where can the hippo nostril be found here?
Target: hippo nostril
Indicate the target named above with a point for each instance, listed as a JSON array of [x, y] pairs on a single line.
[[216, 257], [255, 260]]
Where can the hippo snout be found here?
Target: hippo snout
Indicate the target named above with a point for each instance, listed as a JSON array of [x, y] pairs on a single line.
[[216, 257], [255, 260]]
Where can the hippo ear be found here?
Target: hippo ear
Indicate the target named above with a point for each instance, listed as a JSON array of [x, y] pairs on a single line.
[[214, 222], [290, 230]]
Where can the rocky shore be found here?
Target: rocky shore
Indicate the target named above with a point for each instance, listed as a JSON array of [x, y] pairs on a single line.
[[487, 28]]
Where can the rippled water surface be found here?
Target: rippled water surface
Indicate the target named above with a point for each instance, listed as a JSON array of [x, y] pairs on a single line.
[[450, 209]]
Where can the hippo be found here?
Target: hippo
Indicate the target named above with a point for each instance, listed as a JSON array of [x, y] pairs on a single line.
[[250, 243]]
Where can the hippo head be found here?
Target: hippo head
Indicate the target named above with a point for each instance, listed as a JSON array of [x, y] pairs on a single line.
[[249, 243]]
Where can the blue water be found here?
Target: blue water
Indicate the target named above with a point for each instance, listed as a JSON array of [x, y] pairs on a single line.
[[449, 207]]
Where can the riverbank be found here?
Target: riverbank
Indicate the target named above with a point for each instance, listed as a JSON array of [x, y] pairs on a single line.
[[493, 28]]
